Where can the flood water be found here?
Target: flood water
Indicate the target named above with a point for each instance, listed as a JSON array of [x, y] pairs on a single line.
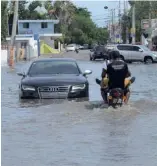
[[70, 133]]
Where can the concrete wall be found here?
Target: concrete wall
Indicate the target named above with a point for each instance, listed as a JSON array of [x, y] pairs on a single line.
[[4, 54], [35, 27], [30, 51], [33, 50]]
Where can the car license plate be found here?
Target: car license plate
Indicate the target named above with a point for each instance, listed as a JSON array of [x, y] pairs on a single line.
[[116, 101]]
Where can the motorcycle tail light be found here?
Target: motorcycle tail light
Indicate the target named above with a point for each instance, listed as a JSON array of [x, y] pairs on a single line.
[[116, 94]]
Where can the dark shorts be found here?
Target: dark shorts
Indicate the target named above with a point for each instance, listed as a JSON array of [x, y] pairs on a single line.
[[104, 93], [126, 91]]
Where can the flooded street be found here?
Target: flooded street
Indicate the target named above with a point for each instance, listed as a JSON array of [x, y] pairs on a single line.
[[70, 133]]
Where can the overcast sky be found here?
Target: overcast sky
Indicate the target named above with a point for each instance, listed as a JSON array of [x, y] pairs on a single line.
[[99, 14]]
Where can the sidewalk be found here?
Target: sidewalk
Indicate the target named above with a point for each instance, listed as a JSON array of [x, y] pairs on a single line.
[[60, 55]]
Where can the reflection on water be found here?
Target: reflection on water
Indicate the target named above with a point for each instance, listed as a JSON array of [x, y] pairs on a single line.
[[82, 133]]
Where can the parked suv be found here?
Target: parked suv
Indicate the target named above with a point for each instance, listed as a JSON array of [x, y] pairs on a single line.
[[98, 52], [134, 53]]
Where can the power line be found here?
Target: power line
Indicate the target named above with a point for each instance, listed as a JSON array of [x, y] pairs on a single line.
[[99, 15]]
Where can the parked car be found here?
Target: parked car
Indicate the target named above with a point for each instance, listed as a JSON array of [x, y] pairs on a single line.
[[85, 46], [54, 78], [134, 53], [98, 52], [71, 47], [81, 47]]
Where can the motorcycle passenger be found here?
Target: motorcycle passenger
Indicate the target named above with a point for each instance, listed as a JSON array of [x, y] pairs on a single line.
[[116, 72]]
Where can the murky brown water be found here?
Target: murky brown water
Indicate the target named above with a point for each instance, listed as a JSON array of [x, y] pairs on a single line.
[[64, 133]]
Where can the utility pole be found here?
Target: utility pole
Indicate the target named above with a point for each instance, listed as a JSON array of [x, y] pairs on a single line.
[[113, 22], [109, 24], [120, 31], [133, 24], [150, 25], [109, 28], [125, 13], [112, 25], [13, 35]]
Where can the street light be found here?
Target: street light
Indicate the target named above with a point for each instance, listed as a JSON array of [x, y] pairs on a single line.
[[112, 33]]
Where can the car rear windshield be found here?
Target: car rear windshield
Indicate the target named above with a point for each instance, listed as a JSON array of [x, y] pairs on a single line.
[[99, 48], [53, 67]]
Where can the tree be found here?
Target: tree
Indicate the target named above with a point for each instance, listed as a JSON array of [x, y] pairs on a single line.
[[75, 23], [142, 9], [33, 5], [125, 24], [102, 35], [4, 24], [83, 11], [22, 11], [50, 9]]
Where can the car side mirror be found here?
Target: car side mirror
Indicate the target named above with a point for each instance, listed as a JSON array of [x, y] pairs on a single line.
[[87, 72], [140, 50], [21, 74]]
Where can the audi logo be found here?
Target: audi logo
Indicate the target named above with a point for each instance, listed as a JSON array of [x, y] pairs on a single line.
[[49, 89], [53, 89]]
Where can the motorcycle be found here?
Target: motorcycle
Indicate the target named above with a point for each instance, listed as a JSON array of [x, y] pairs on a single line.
[[77, 51], [116, 97]]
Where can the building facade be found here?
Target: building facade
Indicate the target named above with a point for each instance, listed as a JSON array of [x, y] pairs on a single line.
[[149, 30], [36, 26], [45, 29]]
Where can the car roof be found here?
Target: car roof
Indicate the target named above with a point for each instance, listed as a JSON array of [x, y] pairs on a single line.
[[128, 44], [55, 59]]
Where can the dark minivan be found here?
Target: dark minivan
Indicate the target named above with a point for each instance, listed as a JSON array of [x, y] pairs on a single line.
[[98, 52]]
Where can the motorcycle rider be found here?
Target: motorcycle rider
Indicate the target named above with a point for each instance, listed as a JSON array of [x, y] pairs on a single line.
[[77, 50], [116, 71]]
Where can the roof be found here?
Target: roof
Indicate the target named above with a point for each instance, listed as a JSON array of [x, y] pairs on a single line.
[[55, 59], [127, 44], [29, 36], [38, 21]]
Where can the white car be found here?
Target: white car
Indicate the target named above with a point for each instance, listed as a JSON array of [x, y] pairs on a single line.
[[81, 47], [71, 47], [134, 53]]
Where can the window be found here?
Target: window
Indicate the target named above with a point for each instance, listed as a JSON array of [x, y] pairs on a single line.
[[145, 48], [99, 48], [23, 44], [124, 48], [26, 25], [44, 25], [135, 48]]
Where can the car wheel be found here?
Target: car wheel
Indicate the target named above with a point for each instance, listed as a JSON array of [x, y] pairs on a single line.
[[122, 58], [21, 94], [105, 58], [148, 60], [87, 93]]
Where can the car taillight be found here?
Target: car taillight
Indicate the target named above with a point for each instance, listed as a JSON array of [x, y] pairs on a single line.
[[116, 94]]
